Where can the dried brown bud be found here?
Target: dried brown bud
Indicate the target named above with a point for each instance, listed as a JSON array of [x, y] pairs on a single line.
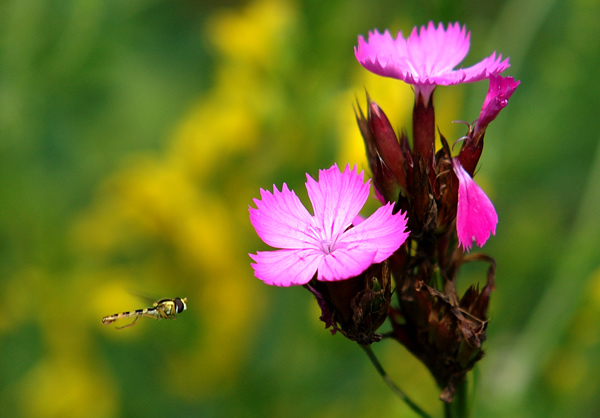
[[444, 331], [356, 307]]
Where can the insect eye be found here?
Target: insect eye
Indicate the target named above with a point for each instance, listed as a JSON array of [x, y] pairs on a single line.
[[179, 305]]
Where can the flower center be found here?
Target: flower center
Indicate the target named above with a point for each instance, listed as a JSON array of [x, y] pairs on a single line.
[[324, 241], [327, 246]]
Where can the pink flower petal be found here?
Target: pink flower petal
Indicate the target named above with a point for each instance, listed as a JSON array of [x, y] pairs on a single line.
[[382, 233], [344, 263], [279, 218], [485, 68], [337, 197], [286, 267], [476, 217]]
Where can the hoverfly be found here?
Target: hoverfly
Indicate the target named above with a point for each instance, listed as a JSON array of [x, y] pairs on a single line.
[[164, 308]]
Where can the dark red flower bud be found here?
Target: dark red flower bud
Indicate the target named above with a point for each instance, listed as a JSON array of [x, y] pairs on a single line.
[[384, 180], [471, 151], [387, 143]]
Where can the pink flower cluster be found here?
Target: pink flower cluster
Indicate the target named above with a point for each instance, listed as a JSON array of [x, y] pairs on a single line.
[[363, 272], [332, 244]]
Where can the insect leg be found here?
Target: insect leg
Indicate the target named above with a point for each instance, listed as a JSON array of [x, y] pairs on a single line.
[[129, 325]]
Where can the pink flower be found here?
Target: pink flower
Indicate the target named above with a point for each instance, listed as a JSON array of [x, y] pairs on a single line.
[[327, 243], [425, 59], [476, 218], [500, 90]]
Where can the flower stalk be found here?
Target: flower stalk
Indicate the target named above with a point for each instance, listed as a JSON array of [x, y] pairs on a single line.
[[424, 131], [386, 378]]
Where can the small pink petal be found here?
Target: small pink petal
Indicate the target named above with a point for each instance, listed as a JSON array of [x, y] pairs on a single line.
[[476, 217], [500, 90]]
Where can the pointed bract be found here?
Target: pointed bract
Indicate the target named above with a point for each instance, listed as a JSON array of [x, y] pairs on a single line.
[[326, 243], [427, 58], [476, 217]]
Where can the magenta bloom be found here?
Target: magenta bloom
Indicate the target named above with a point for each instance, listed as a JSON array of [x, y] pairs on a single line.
[[476, 217], [328, 243], [500, 90], [425, 59]]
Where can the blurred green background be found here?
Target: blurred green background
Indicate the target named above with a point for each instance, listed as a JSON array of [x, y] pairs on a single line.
[[134, 135]]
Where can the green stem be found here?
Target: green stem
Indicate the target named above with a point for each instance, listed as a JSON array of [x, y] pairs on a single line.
[[399, 393], [459, 407], [448, 411]]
